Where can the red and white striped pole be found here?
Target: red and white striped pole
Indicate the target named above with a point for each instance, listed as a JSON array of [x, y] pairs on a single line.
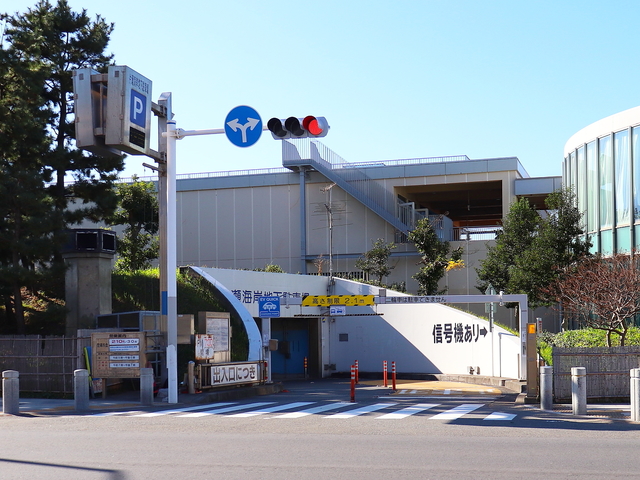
[[357, 373], [353, 383], [393, 375], [384, 373]]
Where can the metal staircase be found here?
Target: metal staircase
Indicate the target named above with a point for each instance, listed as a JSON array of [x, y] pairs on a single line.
[[353, 180]]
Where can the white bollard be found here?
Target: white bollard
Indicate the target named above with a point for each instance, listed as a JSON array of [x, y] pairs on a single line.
[[81, 390], [10, 392], [635, 394], [546, 388], [579, 390], [146, 386]]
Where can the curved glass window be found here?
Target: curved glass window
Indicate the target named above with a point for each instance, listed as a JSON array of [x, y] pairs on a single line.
[[622, 177], [592, 188], [606, 182], [635, 145], [581, 188]]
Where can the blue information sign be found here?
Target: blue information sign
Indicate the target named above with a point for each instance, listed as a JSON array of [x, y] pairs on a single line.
[[243, 126], [269, 307]]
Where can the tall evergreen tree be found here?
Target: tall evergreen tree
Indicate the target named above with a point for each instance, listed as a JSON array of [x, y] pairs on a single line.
[[531, 251], [376, 261], [59, 41], [25, 208], [436, 257], [138, 212], [40, 48]]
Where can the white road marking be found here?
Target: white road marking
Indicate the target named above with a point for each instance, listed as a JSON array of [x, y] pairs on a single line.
[[501, 416], [185, 409], [405, 412], [457, 412], [361, 410], [275, 408], [311, 411], [217, 411]]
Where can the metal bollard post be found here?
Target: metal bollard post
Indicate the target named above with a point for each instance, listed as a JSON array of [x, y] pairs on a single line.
[[546, 388], [81, 390], [579, 390], [10, 392], [191, 377], [635, 394], [146, 386]]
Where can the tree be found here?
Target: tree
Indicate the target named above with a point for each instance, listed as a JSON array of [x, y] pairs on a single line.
[[436, 257], [601, 292], [25, 208], [40, 49], [138, 211], [376, 261], [59, 40], [531, 250]]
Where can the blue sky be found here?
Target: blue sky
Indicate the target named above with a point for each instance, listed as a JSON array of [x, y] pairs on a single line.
[[395, 79]]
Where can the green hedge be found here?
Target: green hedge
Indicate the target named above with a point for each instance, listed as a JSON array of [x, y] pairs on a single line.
[[587, 337]]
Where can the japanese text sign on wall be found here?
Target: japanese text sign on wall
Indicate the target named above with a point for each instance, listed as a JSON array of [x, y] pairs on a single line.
[[117, 354], [457, 333], [328, 300]]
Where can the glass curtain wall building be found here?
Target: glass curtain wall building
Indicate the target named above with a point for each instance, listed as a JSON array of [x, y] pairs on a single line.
[[602, 165]]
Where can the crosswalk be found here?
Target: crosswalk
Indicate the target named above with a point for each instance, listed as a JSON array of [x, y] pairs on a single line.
[[329, 410]]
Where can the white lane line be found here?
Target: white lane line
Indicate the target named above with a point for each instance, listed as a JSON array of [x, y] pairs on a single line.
[[185, 409], [405, 412], [112, 414], [457, 412], [217, 411], [276, 408], [318, 409], [501, 416], [361, 410]]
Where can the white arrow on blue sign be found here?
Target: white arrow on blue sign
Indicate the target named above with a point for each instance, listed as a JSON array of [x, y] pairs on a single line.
[[268, 307], [243, 126]]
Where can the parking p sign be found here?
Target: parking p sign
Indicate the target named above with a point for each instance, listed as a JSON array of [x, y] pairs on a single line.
[[269, 307]]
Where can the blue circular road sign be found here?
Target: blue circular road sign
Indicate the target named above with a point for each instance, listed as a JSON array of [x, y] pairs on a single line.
[[243, 126]]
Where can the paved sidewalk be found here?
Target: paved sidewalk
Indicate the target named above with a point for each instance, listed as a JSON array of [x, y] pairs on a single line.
[[332, 387]]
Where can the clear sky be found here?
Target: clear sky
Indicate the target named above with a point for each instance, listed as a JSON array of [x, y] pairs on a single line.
[[395, 79]]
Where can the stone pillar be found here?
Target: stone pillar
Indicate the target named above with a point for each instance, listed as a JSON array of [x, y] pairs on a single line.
[[10, 392], [81, 390], [546, 388], [579, 390], [146, 386], [89, 256]]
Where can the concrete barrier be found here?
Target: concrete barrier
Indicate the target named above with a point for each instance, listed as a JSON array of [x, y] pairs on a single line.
[[635, 394], [546, 388], [10, 392], [579, 390], [146, 386], [81, 390]]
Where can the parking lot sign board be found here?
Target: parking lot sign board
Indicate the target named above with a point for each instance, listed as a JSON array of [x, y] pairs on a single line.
[[269, 307]]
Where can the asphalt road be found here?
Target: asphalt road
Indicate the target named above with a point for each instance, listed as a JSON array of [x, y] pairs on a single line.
[[311, 433]]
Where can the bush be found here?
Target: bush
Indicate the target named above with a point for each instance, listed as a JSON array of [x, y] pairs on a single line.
[[586, 337]]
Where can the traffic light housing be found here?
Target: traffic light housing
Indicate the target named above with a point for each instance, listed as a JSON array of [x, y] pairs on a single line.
[[292, 127]]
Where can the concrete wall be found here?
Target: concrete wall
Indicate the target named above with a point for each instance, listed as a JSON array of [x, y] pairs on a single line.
[[414, 336]]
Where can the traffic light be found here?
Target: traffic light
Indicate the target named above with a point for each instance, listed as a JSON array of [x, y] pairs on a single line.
[[293, 127]]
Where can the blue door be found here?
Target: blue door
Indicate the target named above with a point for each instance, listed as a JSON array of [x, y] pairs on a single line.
[[293, 347]]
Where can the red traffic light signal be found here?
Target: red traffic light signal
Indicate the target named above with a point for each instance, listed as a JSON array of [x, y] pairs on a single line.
[[293, 127]]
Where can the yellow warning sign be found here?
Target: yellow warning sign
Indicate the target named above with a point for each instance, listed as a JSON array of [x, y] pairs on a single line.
[[328, 300]]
